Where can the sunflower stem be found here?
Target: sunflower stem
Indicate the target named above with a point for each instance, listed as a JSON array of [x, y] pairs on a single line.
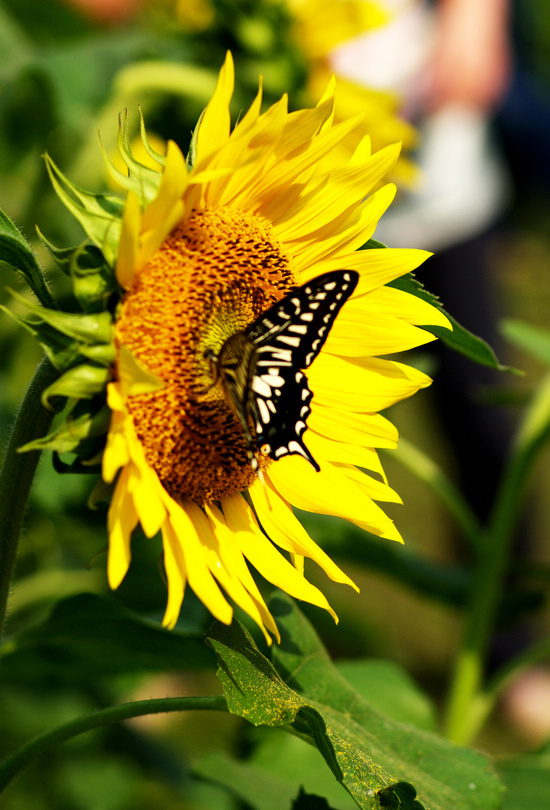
[[15, 763], [16, 477], [468, 704]]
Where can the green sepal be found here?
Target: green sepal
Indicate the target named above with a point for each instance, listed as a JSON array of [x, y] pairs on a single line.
[[190, 159], [142, 180], [101, 492], [75, 434], [78, 466], [61, 256], [102, 353], [15, 252], [65, 336], [459, 339], [99, 214], [373, 244], [81, 382], [153, 154], [93, 280]]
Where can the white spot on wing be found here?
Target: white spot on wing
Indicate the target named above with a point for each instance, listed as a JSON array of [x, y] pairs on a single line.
[[259, 386], [272, 378], [289, 340], [264, 412]]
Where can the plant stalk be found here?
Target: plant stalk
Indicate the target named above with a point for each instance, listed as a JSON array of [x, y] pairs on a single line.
[[16, 477], [14, 764], [466, 700]]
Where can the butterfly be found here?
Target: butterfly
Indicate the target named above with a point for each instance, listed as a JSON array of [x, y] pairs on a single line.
[[261, 369]]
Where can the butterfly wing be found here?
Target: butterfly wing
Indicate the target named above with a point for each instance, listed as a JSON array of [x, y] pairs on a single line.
[[287, 338]]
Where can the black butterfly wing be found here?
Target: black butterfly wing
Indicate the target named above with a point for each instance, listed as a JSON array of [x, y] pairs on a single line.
[[287, 339], [295, 328]]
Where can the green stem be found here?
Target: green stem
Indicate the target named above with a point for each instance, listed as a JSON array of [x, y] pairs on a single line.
[[14, 764], [428, 471], [16, 477], [466, 701]]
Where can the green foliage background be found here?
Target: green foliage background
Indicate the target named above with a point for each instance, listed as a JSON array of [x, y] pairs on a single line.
[[72, 647]]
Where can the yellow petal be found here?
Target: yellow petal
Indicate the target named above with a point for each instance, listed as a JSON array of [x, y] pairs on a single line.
[[342, 452], [371, 386], [404, 305], [216, 122], [329, 492], [174, 565], [265, 558], [363, 332], [195, 556], [281, 525], [234, 561], [121, 521], [375, 267], [369, 429], [129, 242]]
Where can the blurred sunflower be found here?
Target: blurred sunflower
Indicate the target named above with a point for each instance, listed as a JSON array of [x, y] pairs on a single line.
[[194, 254], [321, 26], [308, 32]]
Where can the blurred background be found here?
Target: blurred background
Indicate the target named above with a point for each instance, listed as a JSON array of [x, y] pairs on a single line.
[[466, 87]]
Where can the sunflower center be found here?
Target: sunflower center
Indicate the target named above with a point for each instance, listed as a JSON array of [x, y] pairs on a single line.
[[216, 272]]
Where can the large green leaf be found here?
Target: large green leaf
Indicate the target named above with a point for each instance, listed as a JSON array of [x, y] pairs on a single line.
[[380, 762], [89, 635], [527, 781]]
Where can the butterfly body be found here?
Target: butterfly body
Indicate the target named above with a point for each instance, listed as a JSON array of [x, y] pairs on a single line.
[[261, 369]]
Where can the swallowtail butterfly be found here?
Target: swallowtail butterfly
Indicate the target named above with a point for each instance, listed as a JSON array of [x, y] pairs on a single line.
[[261, 368]]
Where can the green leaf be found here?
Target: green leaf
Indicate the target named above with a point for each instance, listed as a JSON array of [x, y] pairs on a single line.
[[527, 781], [460, 339], [367, 752], [15, 252], [90, 635], [531, 338]]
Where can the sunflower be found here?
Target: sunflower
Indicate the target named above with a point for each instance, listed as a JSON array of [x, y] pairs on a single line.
[[196, 252]]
